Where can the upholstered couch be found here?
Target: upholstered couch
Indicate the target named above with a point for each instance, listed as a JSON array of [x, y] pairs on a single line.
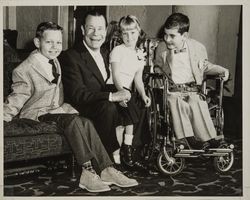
[[28, 141]]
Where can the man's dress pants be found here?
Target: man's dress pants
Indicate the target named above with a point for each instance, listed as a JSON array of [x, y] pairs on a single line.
[[82, 137]]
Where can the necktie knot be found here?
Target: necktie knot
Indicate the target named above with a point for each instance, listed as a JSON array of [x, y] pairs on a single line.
[[51, 62], [55, 74], [180, 50]]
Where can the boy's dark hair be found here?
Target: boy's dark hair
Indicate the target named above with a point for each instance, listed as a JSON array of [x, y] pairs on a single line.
[[178, 20], [46, 26], [95, 13]]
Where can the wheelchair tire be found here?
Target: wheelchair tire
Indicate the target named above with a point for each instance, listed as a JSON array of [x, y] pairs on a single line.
[[170, 168], [223, 163], [152, 124]]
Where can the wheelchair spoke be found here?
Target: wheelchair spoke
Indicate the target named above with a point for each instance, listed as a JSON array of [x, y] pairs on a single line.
[[178, 163], [171, 168], [224, 163], [174, 167]]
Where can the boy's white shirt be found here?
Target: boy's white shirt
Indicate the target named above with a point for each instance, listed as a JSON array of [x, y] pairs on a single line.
[[181, 67]]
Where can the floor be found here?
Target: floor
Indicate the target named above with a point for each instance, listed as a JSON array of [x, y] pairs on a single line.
[[197, 179]]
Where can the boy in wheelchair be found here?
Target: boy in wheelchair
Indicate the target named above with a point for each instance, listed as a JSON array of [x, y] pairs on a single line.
[[184, 61]]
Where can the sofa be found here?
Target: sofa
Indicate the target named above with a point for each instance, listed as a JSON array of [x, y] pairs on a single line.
[[30, 146]]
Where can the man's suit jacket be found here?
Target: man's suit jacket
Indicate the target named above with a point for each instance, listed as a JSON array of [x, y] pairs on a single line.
[[83, 82], [198, 60], [33, 94]]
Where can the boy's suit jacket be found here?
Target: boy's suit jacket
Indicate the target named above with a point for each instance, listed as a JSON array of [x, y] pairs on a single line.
[[198, 59], [83, 82], [33, 94]]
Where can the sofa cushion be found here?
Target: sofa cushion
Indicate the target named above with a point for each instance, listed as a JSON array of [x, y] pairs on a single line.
[[38, 146], [27, 127]]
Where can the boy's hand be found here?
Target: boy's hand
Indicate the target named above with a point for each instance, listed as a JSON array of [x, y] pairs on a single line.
[[147, 101], [226, 75]]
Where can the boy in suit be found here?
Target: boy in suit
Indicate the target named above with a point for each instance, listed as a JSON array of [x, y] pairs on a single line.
[[37, 94], [185, 61], [85, 75]]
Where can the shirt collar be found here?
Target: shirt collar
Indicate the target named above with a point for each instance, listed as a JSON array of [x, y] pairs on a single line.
[[183, 49], [41, 57], [93, 53], [185, 45]]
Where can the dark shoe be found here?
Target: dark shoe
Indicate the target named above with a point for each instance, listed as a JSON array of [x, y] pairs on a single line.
[[214, 143], [120, 167], [195, 144], [127, 155], [206, 146], [140, 166]]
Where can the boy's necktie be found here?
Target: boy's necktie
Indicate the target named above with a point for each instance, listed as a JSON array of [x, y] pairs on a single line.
[[55, 74]]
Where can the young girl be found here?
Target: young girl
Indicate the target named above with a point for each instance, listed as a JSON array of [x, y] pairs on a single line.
[[127, 65]]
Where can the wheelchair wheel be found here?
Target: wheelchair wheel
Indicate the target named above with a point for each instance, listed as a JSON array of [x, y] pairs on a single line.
[[152, 124], [170, 168], [224, 163]]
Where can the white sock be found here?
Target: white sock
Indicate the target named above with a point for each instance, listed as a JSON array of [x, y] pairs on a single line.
[[119, 134], [128, 139], [116, 156]]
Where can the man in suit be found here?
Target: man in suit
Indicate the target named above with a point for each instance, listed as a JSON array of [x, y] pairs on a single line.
[[85, 75], [185, 62], [38, 95]]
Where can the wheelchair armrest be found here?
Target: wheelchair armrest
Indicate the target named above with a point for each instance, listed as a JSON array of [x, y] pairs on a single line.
[[217, 76]]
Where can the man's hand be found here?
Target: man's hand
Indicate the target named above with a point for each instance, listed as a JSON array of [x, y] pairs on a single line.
[[123, 104], [121, 95]]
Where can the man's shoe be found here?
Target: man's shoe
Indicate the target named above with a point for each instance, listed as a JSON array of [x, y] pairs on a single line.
[[92, 182], [110, 175]]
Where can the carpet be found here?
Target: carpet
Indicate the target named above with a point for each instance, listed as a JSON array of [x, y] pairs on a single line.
[[198, 178]]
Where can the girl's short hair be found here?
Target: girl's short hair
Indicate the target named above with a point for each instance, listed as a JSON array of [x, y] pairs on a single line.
[[47, 26]]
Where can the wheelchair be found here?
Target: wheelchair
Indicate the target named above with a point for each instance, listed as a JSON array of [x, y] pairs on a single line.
[[164, 146]]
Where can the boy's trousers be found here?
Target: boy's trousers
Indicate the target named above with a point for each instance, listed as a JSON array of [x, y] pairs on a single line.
[[191, 116]]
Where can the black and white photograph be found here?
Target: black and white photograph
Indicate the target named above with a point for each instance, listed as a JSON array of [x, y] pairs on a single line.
[[124, 99]]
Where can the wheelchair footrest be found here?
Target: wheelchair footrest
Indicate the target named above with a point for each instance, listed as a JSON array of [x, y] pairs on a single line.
[[189, 153], [194, 153], [183, 155], [220, 150], [215, 154]]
